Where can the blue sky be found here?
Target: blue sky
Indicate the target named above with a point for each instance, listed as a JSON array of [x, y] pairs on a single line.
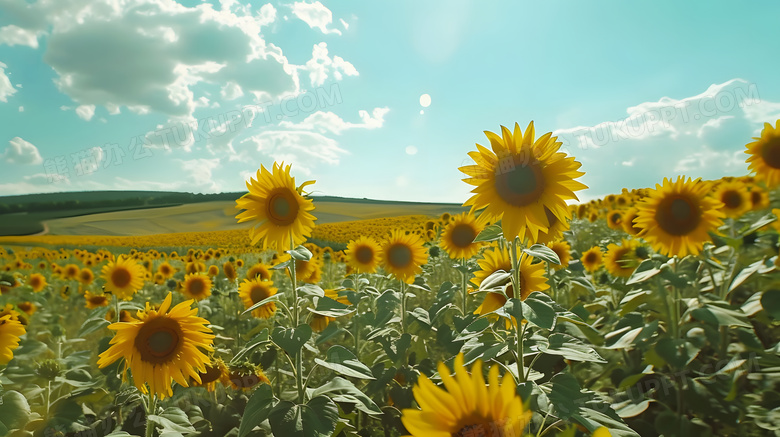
[[195, 96]]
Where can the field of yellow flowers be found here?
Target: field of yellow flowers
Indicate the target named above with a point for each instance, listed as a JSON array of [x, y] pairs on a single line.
[[649, 312]]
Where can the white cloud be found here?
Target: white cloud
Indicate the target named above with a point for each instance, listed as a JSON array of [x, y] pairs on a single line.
[[344, 23], [411, 150], [20, 151], [266, 15], [305, 149], [199, 173], [703, 135], [86, 112], [231, 91], [14, 35], [315, 15], [21, 109], [88, 160], [329, 122], [320, 66], [6, 88]]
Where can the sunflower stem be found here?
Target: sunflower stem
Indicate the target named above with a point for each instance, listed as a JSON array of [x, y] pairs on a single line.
[[48, 398], [355, 326], [403, 307], [463, 285], [520, 363], [299, 355], [116, 308], [151, 408]]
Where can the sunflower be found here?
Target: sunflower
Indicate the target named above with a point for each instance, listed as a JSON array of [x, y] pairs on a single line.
[[95, 300], [765, 155], [195, 267], [196, 286], [402, 255], [123, 277], [161, 346], [309, 271], [216, 371], [492, 261], [278, 207], [252, 291], [261, 270], [520, 177], [675, 218], [319, 322], [86, 276], [459, 234], [563, 250], [629, 216], [230, 271], [735, 198], [166, 270], [615, 219], [593, 216], [10, 331], [759, 199], [591, 259], [28, 308], [37, 281], [245, 376], [531, 279], [622, 260], [468, 406], [363, 254]]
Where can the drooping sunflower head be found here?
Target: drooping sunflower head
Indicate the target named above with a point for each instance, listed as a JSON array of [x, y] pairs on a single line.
[[402, 255], [591, 259], [675, 218], [764, 154], [123, 277], [216, 371], [363, 254], [161, 346], [252, 291], [230, 271], [245, 376], [95, 300], [563, 250], [10, 331], [196, 286], [281, 213], [518, 178], [468, 405], [621, 260], [459, 234]]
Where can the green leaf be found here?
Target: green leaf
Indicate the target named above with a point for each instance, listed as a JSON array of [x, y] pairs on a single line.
[[538, 312], [328, 307], [257, 409], [770, 301], [274, 298], [760, 223], [291, 339], [92, 325], [300, 253], [341, 390], [635, 336], [173, 419], [495, 280], [341, 360], [473, 329], [281, 266], [315, 419], [677, 352], [544, 253], [490, 233], [570, 348], [255, 342], [14, 411], [421, 316], [332, 331], [514, 307], [717, 315], [311, 290], [744, 274], [643, 272]]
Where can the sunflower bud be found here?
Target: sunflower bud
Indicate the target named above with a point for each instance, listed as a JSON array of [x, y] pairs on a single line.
[[48, 369]]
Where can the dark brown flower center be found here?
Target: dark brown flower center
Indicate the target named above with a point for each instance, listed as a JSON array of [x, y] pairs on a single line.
[[158, 340], [364, 254], [197, 287], [282, 207], [731, 199], [121, 277], [678, 215], [517, 182], [258, 293], [399, 255], [486, 429], [771, 152], [463, 235]]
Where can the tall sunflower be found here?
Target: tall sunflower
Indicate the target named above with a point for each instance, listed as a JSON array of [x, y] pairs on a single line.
[[531, 279], [196, 286], [519, 178], [765, 155], [675, 218], [161, 346], [363, 254], [252, 291], [591, 259], [278, 207], [735, 198], [459, 234], [10, 331], [402, 256], [123, 277], [468, 406]]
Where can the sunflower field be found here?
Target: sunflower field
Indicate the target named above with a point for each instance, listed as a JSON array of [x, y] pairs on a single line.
[[649, 312]]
